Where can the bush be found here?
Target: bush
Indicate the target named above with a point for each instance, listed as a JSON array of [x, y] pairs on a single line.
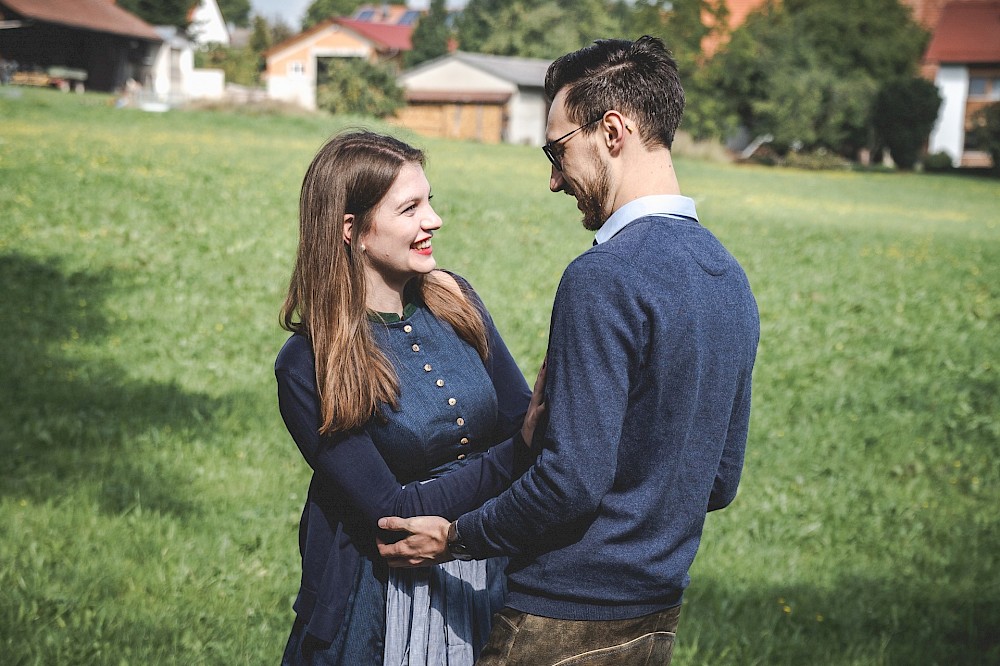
[[986, 132], [819, 159], [354, 85], [242, 66], [938, 162], [905, 111]]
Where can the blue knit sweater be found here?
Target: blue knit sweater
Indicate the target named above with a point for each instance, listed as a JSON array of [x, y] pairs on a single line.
[[652, 344]]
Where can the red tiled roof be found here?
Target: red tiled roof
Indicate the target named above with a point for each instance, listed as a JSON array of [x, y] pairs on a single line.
[[96, 15], [968, 33], [384, 36], [394, 37]]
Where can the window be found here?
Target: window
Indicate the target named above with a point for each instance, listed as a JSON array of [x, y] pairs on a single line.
[[984, 86], [410, 18], [365, 15], [296, 68]]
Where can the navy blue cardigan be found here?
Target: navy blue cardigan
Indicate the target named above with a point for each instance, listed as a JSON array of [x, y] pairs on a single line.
[[352, 486], [653, 339]]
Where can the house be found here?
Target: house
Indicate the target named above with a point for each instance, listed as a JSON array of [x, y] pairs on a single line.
[[964, 58], [208, 26], [487, 98], [98, 37], [293, 65], [173, 78]]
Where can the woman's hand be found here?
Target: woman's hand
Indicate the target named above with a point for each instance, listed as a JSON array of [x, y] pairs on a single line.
[[536, 407]]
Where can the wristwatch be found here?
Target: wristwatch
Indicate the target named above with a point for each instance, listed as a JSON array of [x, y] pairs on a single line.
[[456, 548]]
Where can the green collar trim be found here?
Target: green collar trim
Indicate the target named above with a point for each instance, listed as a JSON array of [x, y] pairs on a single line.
[[392, 317]]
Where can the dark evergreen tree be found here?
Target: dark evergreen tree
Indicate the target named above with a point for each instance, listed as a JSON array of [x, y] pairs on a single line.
[[235, 12], [161, 12], [430, 37], [535, 28], [904, 115]]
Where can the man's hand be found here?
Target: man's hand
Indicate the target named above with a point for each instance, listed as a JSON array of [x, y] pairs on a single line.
[[427, 543]]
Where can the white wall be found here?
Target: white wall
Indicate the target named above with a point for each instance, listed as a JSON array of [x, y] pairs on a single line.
[[526, 124], [454, 76], [297, 89], [175, 80], [172, 70], [207, 24], [207, 84], [948, 134]]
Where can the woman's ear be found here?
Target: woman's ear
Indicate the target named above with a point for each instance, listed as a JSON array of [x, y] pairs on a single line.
[[348, 227]]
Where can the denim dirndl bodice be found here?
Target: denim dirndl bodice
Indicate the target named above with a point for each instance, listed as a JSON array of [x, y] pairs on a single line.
[[447, 404]]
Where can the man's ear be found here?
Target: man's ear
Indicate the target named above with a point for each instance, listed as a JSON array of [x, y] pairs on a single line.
[[348, 227], [615, 128]]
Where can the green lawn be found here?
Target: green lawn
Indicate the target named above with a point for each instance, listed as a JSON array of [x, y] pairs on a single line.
[[149, 495]]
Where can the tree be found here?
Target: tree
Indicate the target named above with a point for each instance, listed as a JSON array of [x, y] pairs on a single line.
[[236, 12], [321, 10], [264, 34], [161, 12], [905, 111], [430, 37], [354, 85], [878, 37], [808, 71], [534, 28], [475, 22]]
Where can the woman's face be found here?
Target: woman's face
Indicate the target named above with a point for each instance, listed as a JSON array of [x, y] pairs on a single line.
[[398, 243]]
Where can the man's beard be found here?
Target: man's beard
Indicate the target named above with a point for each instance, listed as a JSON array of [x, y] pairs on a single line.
[[591, 196]]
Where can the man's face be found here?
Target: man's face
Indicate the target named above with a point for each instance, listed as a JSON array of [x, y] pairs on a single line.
[[584, 174]]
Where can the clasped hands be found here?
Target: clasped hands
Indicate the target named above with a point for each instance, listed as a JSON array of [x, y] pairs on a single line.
[[426, 542]]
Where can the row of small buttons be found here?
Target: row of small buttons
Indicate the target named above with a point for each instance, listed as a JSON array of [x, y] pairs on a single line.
[[440, 384]]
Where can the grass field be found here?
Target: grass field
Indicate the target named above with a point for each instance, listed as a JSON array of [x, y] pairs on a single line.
[[149, 495]]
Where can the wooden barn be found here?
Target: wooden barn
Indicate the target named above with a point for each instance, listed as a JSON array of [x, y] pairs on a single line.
[[97, 37]]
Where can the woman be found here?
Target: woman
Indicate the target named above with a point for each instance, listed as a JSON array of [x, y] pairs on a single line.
[[403, 398]]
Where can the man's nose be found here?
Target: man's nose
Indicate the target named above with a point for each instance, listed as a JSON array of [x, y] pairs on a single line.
[[556, 181]]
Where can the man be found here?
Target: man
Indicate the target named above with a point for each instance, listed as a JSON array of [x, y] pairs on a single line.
[[647, 390]]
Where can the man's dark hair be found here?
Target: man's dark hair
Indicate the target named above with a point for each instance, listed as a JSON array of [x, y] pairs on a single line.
[[637, 78]]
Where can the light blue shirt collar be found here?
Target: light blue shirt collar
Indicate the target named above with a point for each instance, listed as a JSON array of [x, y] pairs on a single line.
[[661, 205]]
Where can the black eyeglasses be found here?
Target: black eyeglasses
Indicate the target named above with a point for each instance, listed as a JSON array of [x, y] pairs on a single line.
[[550, 148]]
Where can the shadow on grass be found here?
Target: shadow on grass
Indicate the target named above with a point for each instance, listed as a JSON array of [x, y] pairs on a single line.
[[71, 416], [863, 621]]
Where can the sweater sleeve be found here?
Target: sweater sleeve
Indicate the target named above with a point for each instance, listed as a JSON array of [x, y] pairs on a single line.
[[587, 393], [727, 478], [354, 468]]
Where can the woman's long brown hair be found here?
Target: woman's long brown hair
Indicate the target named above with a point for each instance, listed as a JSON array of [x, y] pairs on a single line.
[[326, 298]]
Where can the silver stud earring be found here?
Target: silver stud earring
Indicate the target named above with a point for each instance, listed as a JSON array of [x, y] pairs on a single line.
[[363, 248]]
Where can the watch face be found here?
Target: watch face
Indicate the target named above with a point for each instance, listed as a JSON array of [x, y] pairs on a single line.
[[459, 553]]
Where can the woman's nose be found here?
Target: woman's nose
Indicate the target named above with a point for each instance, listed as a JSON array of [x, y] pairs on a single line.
[[432, 221]]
